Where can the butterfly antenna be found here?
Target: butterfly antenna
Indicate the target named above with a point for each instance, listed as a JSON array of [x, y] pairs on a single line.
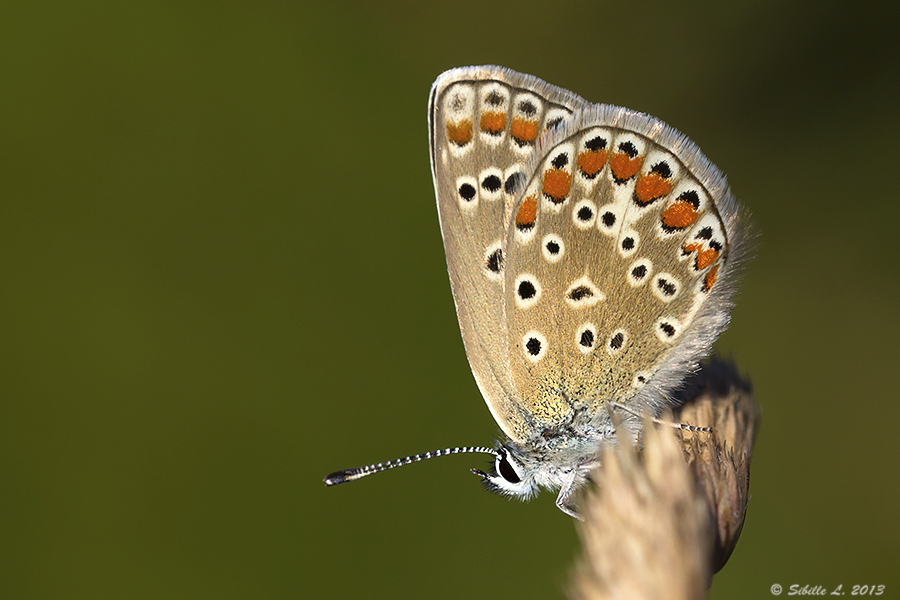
[[675, 425], [353, 474]]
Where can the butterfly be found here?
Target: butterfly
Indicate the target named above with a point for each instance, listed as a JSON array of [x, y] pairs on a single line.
[[592, 253]]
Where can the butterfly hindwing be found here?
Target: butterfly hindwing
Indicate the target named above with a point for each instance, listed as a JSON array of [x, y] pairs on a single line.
[[616, 251]]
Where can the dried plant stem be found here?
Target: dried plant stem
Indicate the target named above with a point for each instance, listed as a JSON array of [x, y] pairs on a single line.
[[664, 517]]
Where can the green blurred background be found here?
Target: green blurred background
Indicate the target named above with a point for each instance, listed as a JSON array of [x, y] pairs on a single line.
[[223, 278]]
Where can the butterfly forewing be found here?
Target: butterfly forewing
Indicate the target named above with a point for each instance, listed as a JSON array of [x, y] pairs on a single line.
[[485, 125], [613, 253]]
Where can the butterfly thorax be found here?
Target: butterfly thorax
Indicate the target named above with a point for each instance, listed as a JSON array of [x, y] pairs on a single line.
[[562, 456]]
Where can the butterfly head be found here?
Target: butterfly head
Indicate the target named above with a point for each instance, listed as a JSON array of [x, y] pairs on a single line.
[[509, 476], [519, 473]]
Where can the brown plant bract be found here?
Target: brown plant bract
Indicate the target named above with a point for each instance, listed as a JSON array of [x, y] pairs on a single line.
[[664, 517]]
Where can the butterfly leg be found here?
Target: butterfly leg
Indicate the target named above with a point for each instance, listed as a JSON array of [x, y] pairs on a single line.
[[565, 501]]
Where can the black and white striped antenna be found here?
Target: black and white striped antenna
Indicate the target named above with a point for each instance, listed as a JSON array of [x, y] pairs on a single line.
[[359, 472]]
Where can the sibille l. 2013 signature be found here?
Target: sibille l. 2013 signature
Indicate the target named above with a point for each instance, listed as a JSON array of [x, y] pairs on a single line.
[[821, 590]]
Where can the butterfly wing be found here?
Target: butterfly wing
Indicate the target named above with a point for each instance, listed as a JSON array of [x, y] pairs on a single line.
[[621, 252], [484, 128]]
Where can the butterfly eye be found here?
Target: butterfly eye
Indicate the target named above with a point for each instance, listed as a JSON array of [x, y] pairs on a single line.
[[506, 470]]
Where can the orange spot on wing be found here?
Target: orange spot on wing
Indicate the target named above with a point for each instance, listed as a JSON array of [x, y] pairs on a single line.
[[679, 215], [460, 133], [556, 184], [590, 162], [524, 131], [710, 278], [650, 187], [493, 122], [706, 258], [624, 167], [527, 213]]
